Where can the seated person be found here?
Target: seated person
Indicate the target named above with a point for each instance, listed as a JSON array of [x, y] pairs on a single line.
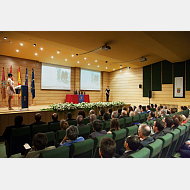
[[129, 110], [106, 117], [39, 145], [151, 116], [119, 112], [63, 124], [143, 110], [123, 114], [55, 119], [90, 113], [158, 129], [173, 110], [163, 112], [92, 118], [168, 124], [109, 112], [114, 125], [176, 119], [124, 108], [157, 114], [101, 113], [97, 127], [185, 150], [114, 114], [139, 107], [80, 121], [18, 124], [147, 108], [134, 107], [144, 135], [82, 112], [72, 133], [38, 122], [184, 119], [131, 114], [181, 108], [152, 107], [107, 147], [69, 117], [131, 145], [137, 111]]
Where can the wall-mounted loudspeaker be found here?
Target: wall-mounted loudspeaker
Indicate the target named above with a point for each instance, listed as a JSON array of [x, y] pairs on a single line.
[[140, 85], [149, 94]]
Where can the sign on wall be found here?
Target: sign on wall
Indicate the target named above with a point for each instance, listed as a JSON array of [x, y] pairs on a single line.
[[178, 93]]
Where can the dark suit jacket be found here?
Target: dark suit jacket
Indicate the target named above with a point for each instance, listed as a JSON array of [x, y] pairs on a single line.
[[167, 130], [80, 125], [70, 119], [157, 135], [146, 141], [126, 155], [52, 122], [97, 134], [122, 116], [37, 123]]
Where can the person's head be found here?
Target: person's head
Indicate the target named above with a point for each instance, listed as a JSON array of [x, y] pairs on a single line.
[[91, 112], [151, 105], [63, 124], [10, 75], [97, 125], [165, 107], [132, 142], [107, 87], [106, 116], [181, 120], [173, 110], [183, 117], [144, 131], [72, 132], [119, 110], [152, 114], [114, 114], [40, 141], [38, 117], [107, 147], [114, 124], [123, 113], [140, 106], [158, 108], [81, 112], [169, 121], [158, 125], [176, 120], [92, 117], [157, 114], [131, 114], [182, 108], [155, 106], [101, 112], [147, 107], [109, 111], [143, 108], [134, 107], [161, 107], [69, 115], [124, 108], [163, 111], [137, 111], [18, 120], [80, 119], [55, 117], [130, 109]]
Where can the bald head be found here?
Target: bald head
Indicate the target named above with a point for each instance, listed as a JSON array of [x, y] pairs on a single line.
[[91, 112], [38, 117], [144, 130], [54, 117]]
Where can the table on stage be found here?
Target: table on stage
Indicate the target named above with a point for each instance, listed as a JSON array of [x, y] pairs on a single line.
[[75, 98]]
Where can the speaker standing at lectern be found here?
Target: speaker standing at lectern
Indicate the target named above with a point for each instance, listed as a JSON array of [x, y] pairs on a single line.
[[107, 93]]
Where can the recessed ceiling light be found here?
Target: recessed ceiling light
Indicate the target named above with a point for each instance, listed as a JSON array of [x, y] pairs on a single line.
[[41, 48], [85, 58], [10, 42], [17, 50], [113, 69], [88, 63], [52, 57], [106, 67], [21, 44], [58, 52], [98, 66], [95, 60], [120, 66], [77, 61], [36, 54], [5, 38], [34, 44], [65, 59], [72, 55]]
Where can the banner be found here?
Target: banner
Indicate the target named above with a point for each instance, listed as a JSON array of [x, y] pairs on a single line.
[[33, 85], [3, 85], [19, 80], [26, 78], [11, 71], [178, 93]]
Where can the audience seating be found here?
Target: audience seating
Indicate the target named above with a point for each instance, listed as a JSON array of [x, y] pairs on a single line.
[[106, 125], [128, 121], [167, 140], [187, 131], [60, 134], [19, 136], [135, 119], [39, 129], [86, 121], [72, 122], [142, 153], [83, 149], [155, 148], [54, 126], [131, 130], [84, 131], [147, 114], [51, 138], [121, 123], [61, 152], [97, 143], [99, 117], [142, 118], [119, 137]]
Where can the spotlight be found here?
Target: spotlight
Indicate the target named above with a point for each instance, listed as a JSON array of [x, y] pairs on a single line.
[[5, 38], [36, 54], [120, 66], [106, 67], [85, 58], [21, 44], [34, 44], [72, 55], [52, 57], [41, 48], [65, 59], [58, 52], [10, 42], [17, 50], [88, 63], [95, 60], [98, 66], [77, 61]]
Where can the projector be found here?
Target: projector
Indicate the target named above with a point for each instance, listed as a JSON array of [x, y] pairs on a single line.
[[106, 48], [143, 59]]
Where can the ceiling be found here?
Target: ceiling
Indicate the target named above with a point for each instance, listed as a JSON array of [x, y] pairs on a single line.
[[126, 47]]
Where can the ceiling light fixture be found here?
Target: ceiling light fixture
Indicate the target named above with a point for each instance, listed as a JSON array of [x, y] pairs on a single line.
[[34, 44], [77, 61], [21, 44], [106, 67], [41, 48], [85, 58], [65, 59], [120, 66], [17, 50], [88, 63], [72, 55], [98, 66], [36, 54], [113, 69], [95, 60], [52, 57], [58, 52], [10, 42], [5, 38]]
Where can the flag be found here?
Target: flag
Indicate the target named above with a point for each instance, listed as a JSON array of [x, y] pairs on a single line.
[[19, 80], [26, 78], [12, 73], [178, 87], [33, 85], [3, 85]]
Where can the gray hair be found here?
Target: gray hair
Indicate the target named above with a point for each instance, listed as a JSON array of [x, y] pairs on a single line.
[[145, 130], [92, 117], [164, 111], [79, 119], [114, 114], [137, 110], [91, 112]]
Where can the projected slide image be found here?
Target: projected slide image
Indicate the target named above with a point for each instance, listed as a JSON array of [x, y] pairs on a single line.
[[55, 77]]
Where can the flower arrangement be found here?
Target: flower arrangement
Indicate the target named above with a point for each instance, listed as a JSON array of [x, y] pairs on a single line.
[[86, 106]]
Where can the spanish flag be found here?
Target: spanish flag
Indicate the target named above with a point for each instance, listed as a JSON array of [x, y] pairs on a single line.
[[19, 80]]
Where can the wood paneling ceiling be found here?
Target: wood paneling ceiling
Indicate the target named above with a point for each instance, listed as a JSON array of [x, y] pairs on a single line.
[[125, 46]]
